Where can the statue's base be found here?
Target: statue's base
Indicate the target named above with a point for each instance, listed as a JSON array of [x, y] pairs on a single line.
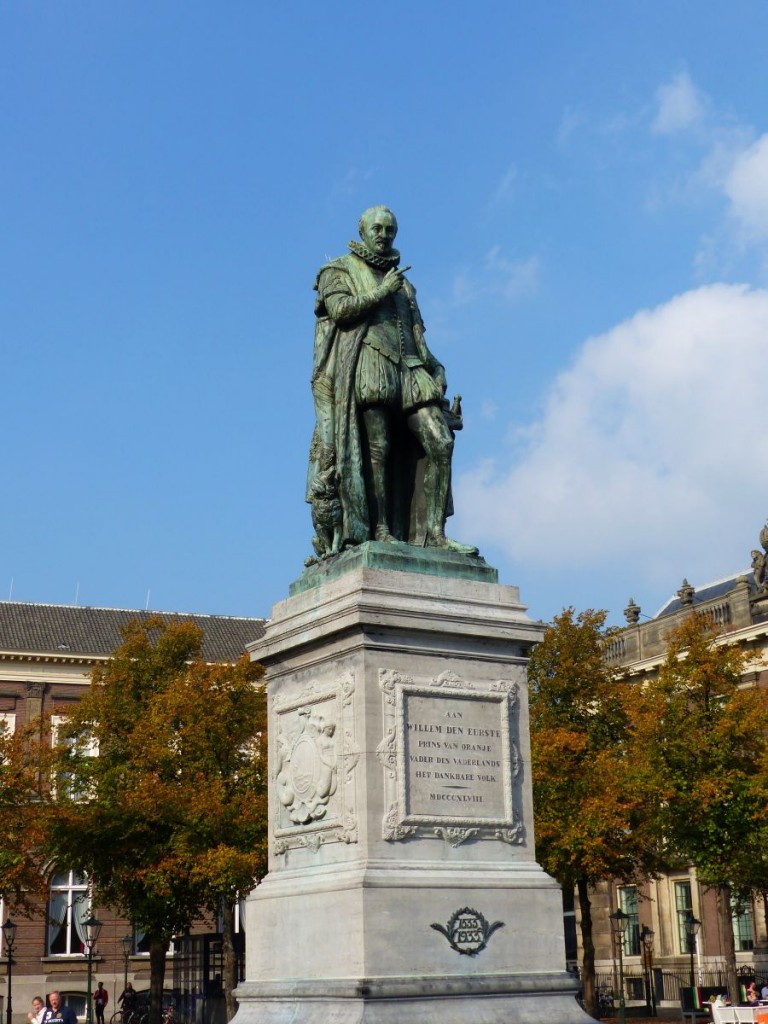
[[403, 886], [503, 999], [401, 557]]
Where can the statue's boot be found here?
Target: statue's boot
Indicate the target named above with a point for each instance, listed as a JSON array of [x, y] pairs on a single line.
[[439, 540], [437, 479]]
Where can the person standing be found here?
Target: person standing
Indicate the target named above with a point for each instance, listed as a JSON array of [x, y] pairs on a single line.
[[127, 1001], [38, 1011], [59, 1013], [100, 1000]]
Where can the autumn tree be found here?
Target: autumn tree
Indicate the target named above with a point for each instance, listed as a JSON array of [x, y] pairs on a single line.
[[23, 821], [217, 721], [702, 731], [593, 813], [169, 818]]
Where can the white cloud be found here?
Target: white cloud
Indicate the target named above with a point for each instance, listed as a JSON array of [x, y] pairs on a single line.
[[511, 279], [746, 185], [731, 161], [463, 289], [572, 120], [648, 445], [506, 186], [680, 105]]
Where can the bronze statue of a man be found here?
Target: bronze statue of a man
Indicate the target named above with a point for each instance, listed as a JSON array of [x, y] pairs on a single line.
[[380, 459]]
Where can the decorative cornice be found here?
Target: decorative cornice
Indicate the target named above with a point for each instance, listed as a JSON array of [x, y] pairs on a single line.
[[33, 657]]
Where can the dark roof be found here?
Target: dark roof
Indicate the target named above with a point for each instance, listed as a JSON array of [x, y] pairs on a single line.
[[707, 592], [69, 630]]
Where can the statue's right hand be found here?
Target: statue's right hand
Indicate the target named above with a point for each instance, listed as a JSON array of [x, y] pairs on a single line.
[[392, 282]]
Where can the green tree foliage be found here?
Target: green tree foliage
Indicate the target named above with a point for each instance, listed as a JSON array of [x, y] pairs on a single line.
[[170, 817], [23, 818], [702, 732], [593, 811]]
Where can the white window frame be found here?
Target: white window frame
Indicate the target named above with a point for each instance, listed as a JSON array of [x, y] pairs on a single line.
[[629, 903], [76, 892], [743, 923], [683, 939]]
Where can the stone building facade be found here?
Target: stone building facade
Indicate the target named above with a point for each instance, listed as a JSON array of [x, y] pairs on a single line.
[[738, 605], [47, 653]]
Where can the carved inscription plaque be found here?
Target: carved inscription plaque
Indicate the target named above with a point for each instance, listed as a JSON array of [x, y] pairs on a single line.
[[454, 756], [450, 759]]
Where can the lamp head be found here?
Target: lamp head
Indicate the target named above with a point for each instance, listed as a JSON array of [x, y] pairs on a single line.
[[92, 931], [619, 922], [9, 934]]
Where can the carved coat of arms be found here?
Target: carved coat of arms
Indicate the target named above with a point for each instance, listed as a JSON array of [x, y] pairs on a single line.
[[307, 768]]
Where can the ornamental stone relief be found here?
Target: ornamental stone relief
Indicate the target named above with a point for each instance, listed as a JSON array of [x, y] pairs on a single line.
[[306, 768], [315, 755]]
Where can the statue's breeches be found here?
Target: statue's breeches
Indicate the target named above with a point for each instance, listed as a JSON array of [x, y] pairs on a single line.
[[379, 381]]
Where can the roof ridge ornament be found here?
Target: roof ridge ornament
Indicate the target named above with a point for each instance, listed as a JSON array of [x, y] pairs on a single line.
[[686, 592], [760, 563], [632, 612]]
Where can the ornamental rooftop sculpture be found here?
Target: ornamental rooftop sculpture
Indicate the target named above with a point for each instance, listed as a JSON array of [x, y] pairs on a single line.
[[380, 457]]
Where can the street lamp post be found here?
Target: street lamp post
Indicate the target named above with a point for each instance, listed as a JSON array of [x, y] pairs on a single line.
[[9, 934], [127, 943], [92, 931], [619, 924], [692, 926], [646, 936]]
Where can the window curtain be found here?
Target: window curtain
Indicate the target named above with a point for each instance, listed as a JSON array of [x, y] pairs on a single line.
[[57, 923], [81, 911]]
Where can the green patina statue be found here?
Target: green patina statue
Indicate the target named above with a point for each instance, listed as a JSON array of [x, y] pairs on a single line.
[[380, 458]]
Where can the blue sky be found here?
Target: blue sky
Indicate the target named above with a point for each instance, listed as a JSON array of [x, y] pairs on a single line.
[[582, 191]]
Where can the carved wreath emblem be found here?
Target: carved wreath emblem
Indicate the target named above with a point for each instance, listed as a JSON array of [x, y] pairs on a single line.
[[468, 931]]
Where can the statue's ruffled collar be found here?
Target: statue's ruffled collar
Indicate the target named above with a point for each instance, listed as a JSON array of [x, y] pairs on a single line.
[[382, 262]]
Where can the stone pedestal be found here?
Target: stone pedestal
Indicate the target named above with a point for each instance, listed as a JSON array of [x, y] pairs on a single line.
[[402, 881]]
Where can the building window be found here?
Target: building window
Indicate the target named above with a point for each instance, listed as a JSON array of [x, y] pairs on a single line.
[[7, 727], [89, 746], [628, 901], [75, 1001], [683, 906], [239, 917], [68, 909], [743, 929], [141, 944]]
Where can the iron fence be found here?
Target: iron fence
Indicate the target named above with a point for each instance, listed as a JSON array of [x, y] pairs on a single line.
[[667, 983]]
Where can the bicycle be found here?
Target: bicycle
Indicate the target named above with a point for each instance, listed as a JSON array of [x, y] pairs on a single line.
[[141, 1016]]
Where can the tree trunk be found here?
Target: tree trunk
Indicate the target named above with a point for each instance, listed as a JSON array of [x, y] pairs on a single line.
[[729, 946], [157, 950], [229, 958], [588, 950]]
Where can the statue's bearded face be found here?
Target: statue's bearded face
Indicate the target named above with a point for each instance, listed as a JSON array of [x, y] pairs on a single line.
[[378, 229]]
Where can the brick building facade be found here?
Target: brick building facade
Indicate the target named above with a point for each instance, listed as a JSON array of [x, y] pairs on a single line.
[[46, 655]]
